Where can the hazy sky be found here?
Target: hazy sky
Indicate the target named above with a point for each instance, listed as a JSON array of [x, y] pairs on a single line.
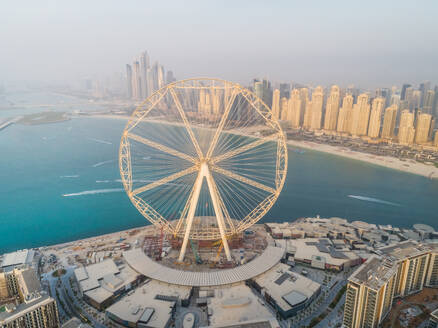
[[368, 43]]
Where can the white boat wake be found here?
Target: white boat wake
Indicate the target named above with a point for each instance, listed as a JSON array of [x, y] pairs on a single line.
[[373, 200], [93, 192], [69, 176], [103, 163], [101, 141]]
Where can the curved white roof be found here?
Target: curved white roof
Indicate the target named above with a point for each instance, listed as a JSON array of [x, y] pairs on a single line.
[[141, 263]]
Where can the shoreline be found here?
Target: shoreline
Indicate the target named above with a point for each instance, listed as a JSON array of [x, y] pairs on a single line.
[[427, 171]]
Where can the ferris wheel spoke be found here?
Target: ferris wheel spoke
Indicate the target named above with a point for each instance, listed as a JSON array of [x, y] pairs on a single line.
[[184, 212], [149, 212], [161, 147], [165, 180], [221, 124], [243, 149], [240, 178], [186, 123], [222, 205], [139, 115]]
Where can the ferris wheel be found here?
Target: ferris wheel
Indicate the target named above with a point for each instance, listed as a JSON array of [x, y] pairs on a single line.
[[204, 159]]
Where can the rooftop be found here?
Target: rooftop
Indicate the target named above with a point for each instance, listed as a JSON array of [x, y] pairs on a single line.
[[287, 288], [101, 280], [19, 310], [323, 248], [24, 256], [403, 250], [140, 262], [143, 305], [231, 307], [374, 273]]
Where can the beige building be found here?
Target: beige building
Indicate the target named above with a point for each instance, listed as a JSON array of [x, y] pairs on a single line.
[[404, 269], [31, 307], [332, 109], [276, 104], [360, 116], [295, 109], [40, 311], [307, 115], [406, 130], [284, 109], [424, 122], [389, 121], [317, 104], [370, 292], [345, 112], [376, 117]]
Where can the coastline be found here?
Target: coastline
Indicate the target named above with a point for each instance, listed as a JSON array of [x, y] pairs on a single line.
[[408, 166]]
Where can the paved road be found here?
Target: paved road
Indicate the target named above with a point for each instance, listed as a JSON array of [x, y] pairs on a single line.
[[65, 285], [323, 306]]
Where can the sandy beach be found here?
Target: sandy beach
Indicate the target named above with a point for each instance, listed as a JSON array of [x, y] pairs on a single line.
[[408, 166]]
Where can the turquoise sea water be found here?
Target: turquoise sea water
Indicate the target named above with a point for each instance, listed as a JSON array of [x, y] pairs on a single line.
[[78, 158]]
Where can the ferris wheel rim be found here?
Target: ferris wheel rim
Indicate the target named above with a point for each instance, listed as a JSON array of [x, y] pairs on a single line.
[[173, 227]]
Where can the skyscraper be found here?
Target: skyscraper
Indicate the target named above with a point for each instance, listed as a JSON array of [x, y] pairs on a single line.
[[403, 91], [144, 67], [360, 116], [136, 81], [424, 87], [406, 130], [344, 118], [316, 109], [169, 77], [376, 117], [129, 80], [429, 98], [284, 90], [276, 104], [424, 122], [158, 76], [295, 108], [284, 109], [332, 108], [389, 120], [369, 295], [262, 89]]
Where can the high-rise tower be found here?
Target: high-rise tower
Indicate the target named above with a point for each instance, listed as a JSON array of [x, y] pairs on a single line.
[[424, 122], [317, 103], [332, 108], [144, 67], [136, 81], [406, 130], [276, 104], [295, 108], [360, 116], [344, 118], [389, 120], [376, 117], [129, 80]]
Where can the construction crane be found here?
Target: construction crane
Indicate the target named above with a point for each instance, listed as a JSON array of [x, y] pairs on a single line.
[[195, 253], [219, 252]]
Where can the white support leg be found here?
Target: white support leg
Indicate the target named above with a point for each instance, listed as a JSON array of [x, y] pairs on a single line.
[[204, 172], [218, 212], [191, 213]]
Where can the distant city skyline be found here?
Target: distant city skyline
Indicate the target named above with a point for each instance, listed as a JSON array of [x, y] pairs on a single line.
[[368, 45]]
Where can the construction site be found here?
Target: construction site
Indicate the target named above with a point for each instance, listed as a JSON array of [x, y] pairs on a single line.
[[203, 255]]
